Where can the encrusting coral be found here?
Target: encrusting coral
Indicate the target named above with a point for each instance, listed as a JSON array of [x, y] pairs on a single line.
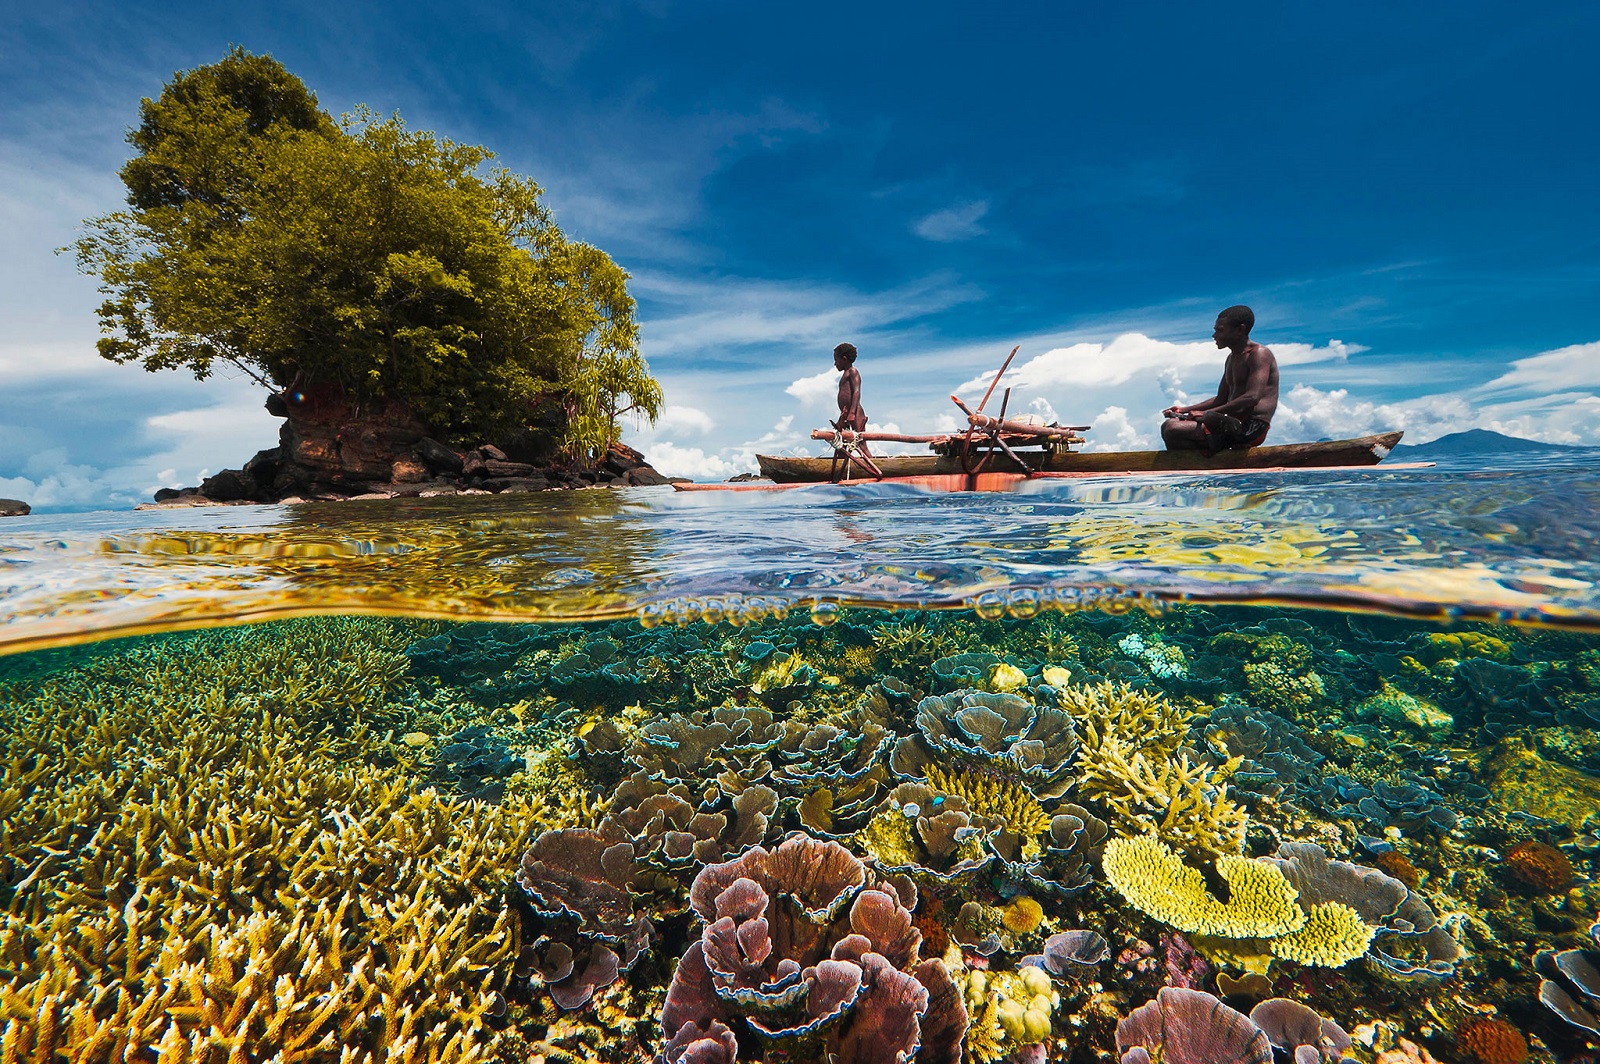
[[1154, 880]]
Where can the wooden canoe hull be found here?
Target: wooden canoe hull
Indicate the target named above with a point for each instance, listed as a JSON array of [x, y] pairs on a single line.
[[1361, 451]]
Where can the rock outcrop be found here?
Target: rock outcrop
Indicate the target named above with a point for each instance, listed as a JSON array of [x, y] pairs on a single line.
[[330, 449], [18, 508]]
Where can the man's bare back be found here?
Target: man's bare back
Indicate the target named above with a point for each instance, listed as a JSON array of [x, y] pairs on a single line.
[[1240, 414]]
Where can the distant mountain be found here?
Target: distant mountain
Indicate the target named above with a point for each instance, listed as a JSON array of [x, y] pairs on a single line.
[[1482, 441]]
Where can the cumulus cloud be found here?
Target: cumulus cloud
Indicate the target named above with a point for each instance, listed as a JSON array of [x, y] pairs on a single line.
[[953, 223], [1136, 356], [1114, 431], [815, 390], [674, 418]]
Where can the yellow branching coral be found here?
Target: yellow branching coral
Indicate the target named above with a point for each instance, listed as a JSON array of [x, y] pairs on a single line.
[[1154, 880], [1131, 758], [1000, 799], [1334, 934]]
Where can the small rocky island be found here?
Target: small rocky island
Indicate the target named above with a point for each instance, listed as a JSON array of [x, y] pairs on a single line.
[[14, 508], [329, 450]]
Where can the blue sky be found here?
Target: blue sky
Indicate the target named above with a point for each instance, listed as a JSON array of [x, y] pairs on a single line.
[[1404, 193]]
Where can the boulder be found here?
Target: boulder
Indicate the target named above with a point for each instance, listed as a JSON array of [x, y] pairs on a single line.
[[496, 467], [440, 459], [504, 484], [230, 485], [489, 450], [166, 494], [14, 508], [644, 476], [408, 471]]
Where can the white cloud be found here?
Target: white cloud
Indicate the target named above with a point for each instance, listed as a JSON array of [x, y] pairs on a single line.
[[1563, 369], [957, 222], [677, 419], [1113, 431], [815, 390]]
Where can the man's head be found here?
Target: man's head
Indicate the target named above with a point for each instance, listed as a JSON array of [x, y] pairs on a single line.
[[1233, 326], [844, 356]]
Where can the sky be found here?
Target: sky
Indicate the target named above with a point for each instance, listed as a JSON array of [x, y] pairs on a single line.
[[1404, 194]]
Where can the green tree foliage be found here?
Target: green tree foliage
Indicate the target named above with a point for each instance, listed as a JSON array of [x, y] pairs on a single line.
[[394, 263]]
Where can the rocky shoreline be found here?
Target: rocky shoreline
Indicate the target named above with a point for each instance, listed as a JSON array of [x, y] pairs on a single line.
[[330, 450], [442, 470]]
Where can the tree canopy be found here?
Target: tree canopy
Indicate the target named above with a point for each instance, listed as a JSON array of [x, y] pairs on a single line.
[[392, 262]]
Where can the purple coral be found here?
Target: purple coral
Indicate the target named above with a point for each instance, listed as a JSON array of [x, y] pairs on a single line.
[[797, 942], [1069, 952], [579, 881], [1190, 1027], [1185, 968], [1299, 1030]]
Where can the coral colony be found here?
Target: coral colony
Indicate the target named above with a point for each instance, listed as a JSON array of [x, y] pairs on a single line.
[[1210, 837]]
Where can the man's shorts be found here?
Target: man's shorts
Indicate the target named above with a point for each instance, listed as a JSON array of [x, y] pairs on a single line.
[[1230, 432]]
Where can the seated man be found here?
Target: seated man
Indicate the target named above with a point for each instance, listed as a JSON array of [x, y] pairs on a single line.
[[1240, 414]]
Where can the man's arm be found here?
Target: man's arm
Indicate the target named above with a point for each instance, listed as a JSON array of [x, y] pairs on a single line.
[[1255, 387], [1196, 408]]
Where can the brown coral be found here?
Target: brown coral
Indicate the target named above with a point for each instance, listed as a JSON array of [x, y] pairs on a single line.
[[1491, 1041], [1540, 866], [1398, 865]]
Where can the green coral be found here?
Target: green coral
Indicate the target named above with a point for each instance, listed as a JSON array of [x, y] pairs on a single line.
[[1394, 706]]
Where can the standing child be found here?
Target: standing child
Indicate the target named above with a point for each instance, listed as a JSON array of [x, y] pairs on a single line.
[[851, 416]]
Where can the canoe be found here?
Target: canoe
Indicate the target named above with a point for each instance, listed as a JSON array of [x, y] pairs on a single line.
[[1361, 451]]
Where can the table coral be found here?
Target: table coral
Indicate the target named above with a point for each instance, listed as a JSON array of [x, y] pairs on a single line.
[[1154, 880]]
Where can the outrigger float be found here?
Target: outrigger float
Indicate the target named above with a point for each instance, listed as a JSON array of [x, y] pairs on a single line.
[[1000, 453]]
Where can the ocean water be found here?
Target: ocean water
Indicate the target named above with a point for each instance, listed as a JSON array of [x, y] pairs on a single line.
[[829, 774]]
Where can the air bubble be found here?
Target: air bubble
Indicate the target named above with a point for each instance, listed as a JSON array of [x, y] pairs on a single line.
[[1023, 603], [824, 613], [989, 606], [712, 611], [651, 615]]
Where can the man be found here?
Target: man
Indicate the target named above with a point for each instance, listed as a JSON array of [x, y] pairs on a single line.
[[851, 416], [1240, 414]]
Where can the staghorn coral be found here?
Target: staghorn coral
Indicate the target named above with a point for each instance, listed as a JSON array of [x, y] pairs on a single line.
[[986, 730], [226, 873], [1131, 759], [1154, 880], [1334, 935]]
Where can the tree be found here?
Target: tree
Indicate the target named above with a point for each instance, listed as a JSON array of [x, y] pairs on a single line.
[[392, 263]]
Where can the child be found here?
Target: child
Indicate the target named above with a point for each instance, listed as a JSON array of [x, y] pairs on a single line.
[[851, 416]]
